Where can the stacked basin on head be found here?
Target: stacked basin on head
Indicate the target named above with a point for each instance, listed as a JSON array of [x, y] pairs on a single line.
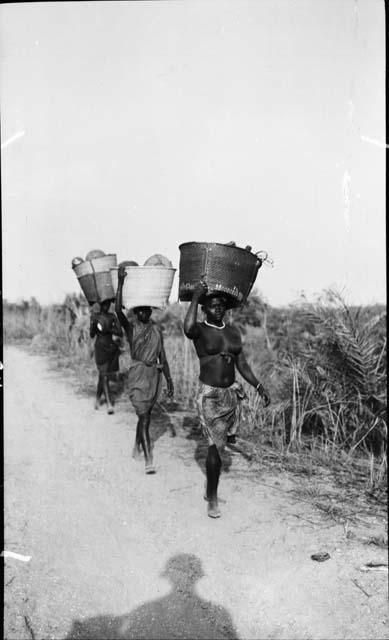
[[224, 268], [95, 279], [147, 286]]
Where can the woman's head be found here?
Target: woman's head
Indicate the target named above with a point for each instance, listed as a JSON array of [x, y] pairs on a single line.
[[215, 307], [143, 314], [104, 306]]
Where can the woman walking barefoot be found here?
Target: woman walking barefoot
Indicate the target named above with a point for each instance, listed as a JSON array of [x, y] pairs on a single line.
[[104, 326], [148, 361], [219, 349]]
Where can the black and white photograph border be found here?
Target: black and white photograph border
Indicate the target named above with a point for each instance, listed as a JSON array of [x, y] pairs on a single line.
[[194, 319]]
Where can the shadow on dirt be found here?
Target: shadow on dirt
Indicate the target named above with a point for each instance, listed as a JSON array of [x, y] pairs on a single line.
[[180, 614], [161, 422]]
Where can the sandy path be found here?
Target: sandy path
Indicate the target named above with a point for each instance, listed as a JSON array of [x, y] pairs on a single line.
[[100, 534]]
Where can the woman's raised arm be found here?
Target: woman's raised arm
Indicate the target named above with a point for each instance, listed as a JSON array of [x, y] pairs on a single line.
[[119, 302], [190, 322]]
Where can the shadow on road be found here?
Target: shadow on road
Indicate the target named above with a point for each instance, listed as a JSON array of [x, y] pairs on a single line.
[[180, 614], [161, 422]]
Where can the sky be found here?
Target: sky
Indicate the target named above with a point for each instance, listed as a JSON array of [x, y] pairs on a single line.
[[133, 127]]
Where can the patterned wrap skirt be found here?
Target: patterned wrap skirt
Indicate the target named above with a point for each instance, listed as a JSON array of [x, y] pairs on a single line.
[[219, 412]]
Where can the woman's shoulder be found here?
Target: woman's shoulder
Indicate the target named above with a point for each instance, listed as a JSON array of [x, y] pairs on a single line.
[[234, 332], [156, 327]]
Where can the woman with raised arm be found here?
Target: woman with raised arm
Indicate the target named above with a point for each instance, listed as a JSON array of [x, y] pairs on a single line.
[[219, 349], [148, 362], [105, 327]]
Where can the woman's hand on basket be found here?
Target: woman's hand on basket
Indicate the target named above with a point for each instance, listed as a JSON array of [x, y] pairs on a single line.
[[121, 273], [200, 289]]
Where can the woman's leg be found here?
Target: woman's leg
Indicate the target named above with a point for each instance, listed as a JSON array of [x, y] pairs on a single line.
[[99, 391], [136, 452], [213, 465], [144, 438], [107, 394]]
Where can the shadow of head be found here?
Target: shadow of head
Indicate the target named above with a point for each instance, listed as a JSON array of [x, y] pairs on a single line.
[[179, 614], [183, 571]]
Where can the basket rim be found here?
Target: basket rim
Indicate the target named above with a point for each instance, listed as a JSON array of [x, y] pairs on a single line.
[[107, 255], [219, 244], [147, 266]]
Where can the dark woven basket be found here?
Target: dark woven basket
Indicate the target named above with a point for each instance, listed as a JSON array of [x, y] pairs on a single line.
[[97, 287], [94, 277], [225, 269]]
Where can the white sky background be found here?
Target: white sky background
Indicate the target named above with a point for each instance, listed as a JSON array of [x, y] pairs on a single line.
[[149, 124]]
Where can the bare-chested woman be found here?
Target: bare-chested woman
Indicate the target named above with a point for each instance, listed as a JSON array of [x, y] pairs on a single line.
[[219, 348], [148, 361]]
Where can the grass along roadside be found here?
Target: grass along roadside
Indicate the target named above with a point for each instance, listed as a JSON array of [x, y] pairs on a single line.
[[324, 365]]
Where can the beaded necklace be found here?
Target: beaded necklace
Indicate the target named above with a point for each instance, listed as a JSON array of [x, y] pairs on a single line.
[[214, 325]]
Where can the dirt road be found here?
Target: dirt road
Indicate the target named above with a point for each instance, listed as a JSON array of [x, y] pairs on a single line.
[[118, 554]]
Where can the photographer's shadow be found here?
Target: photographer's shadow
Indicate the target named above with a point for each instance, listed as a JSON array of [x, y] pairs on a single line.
[[180, 614]]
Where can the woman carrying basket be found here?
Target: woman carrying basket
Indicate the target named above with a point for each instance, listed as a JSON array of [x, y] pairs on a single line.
[[219, 348], [105, 327], [148, 361]]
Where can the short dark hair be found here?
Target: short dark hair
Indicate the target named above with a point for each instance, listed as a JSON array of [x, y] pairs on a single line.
[[210, 296], [220, 296], [144, 307]]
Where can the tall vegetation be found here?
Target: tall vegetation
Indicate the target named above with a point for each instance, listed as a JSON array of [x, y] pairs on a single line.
[[334, 381], [324, 364]]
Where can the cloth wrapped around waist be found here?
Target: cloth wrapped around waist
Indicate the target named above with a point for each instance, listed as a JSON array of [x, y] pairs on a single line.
[[106, 354], [147, 363], [144, 382], [219, 411], [144, 376]]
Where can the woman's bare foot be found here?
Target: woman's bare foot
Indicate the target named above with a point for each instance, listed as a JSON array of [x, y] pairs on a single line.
[[213, 510], [149, 469], [110, 409], [99, 402], [206, 497], [222, 500]]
